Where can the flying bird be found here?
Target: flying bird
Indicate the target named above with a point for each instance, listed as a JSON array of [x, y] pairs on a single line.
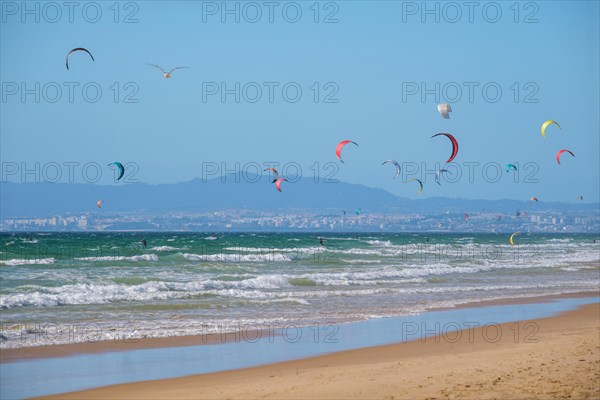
[[165, 73]]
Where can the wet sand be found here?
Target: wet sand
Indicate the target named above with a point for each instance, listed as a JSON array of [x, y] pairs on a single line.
[[557, 357]]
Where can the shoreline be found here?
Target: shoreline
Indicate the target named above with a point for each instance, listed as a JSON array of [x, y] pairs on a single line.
[[561, 360], [10, 355]]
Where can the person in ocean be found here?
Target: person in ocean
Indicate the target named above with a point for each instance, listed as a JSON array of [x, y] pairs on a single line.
[[321, 241], [144, 243]]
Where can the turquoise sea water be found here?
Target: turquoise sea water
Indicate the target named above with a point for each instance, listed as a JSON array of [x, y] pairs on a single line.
[[76, 287]]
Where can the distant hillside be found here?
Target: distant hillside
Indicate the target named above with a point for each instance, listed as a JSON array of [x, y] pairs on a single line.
[[254, 193]]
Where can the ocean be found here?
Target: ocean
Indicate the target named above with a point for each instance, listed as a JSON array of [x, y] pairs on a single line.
[[58, 288]]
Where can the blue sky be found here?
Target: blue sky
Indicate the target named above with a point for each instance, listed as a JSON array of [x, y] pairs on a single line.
[[370, 57]]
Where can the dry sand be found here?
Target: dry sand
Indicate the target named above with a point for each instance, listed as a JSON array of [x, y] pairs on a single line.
[[561, 360]]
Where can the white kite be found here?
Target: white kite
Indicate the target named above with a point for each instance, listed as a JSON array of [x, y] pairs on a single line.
[[445, 110]]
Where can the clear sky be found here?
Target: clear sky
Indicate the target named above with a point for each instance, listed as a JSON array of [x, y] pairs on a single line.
[[374, 61]]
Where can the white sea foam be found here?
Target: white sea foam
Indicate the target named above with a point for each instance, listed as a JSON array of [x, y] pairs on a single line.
[[165, 248], [556, 240], [267, 250], [238, 257], [372, 278], [383, 243], [81, 293], [257, 287], [359, 261], [33, 261], [141, 257]]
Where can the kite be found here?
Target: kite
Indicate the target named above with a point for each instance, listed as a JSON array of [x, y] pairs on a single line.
[[454, 145], [165, 73], [396, 164], [437, 175], [466, 217], [338, 149], [444, 110], [99, 203], [78, 49], [510, 239], [278, 183], [546, 124], [275, 174], [120, 167], [534, 199], [560, 154], [509, 166], [420, 184]]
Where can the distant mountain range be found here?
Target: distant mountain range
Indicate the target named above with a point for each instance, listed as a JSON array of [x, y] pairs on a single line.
[[240, 192]]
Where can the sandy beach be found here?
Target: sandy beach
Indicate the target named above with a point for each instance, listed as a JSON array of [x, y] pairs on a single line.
[[556, 357]]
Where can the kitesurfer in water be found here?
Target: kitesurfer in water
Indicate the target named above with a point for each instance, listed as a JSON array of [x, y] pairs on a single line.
[[144, 243]]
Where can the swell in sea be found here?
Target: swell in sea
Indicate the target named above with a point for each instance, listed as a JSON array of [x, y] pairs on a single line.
[[75, 287]]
